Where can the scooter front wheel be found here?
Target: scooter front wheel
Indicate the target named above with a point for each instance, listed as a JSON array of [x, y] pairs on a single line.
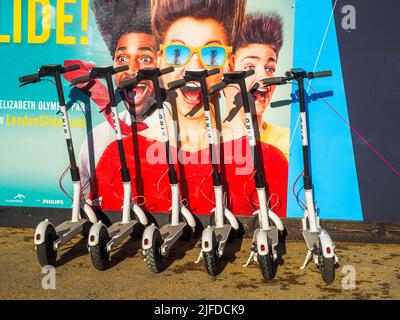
[[267, 266], [153, 255], [211, 259], [45, 252], [98, 253], [328, 269]]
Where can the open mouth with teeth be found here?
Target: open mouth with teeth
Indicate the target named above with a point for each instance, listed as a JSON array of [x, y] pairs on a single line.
[[262, 94], [137, 95], [191, 93]]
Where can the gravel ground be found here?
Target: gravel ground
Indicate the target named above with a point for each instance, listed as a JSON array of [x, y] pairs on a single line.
[[377, 273]]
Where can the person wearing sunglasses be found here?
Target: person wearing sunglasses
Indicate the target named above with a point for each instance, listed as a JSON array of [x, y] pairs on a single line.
[[194, 35]]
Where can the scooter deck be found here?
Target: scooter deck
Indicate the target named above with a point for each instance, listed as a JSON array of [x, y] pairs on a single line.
[[222, 234], [68, 230], [171, 234], [118, 232], [311, 238]]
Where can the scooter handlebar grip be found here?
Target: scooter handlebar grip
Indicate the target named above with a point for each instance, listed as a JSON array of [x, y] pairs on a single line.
[[71, 68], [322, 74], [167, 70], [176, 84], [29, 78], [274, 81], [213, 72], [249, 73], [79, 80], [128, 83], [216, 88], [254, 87], [120, 69]]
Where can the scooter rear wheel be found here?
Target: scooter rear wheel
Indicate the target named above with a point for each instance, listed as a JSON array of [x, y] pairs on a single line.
[[211, 259], [267, 266], [153, 256], [45, 252], [99, 254], [328, 269]]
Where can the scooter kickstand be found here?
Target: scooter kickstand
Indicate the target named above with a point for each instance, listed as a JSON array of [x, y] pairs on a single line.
[[251, 258], [307, 260], [200, 257]]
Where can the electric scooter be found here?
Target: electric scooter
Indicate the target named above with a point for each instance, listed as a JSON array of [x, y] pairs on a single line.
[[215, 236], [270, 228], [49, 238], [320, 245], [156, 242], [102, 240]]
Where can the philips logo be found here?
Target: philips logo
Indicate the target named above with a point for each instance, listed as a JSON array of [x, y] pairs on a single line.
[[56, 202]]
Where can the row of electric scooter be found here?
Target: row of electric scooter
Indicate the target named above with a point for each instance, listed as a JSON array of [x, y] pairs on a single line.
[[269, 232]]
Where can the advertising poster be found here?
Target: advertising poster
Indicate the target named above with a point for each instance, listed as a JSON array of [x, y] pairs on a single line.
[[269, 37]]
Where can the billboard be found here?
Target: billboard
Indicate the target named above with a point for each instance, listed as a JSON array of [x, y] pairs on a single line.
[[269, 37]]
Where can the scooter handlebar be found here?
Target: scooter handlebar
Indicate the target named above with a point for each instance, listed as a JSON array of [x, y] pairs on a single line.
[[274, 81], [320, 74], [249, 73], [128, 83], [166, 70], [29, 78], [213, 72], [176, 84], [216, 88], [82, 79], [120, 69], [71, 68]]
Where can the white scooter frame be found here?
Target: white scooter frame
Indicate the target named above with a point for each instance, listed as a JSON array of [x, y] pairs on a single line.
[[49, 238], [216, 235], [156, 242], [103, 240], [266, 237], [321, 248]]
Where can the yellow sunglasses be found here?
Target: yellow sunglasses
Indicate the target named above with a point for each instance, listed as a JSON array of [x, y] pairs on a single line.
[[211, 56]]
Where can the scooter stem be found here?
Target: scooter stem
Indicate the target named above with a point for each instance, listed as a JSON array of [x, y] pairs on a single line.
[[126, 179], [76, 202], [219, 207], [175, 204], [308, 192], [263, 218], [201, 76], [173, 178], [77, 187]]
